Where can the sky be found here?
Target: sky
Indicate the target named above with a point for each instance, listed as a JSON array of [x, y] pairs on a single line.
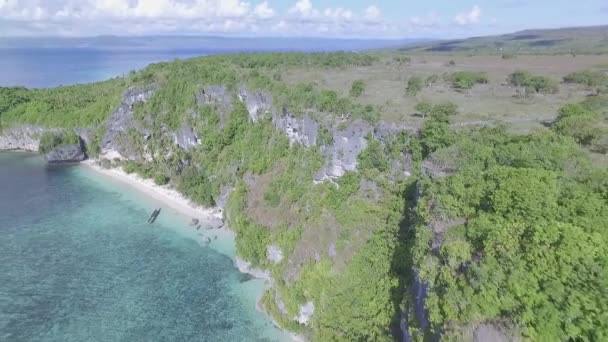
[[391, 19]]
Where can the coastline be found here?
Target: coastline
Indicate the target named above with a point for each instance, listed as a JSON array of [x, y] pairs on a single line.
[[173, 199], [165, 194]]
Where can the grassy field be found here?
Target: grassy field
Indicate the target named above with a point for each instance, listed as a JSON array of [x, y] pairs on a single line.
[[386, 83]]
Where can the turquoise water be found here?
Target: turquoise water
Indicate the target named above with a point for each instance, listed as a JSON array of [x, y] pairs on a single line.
[[78, 262]]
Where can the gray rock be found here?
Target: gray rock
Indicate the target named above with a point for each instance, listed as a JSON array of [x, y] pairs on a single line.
[[23, 138], [121, 120], [384, 130], [302, 130], [306, 312], [216, 223], [258, 103], [246, 267], [274, 254], [341, 157], [71, 153], [489, 332], [216, 96], [185, 137]]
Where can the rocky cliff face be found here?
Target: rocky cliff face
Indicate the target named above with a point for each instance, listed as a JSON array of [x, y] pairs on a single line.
[[302, 130], [23, 138], [341, 156], [72, 153], [121, 121], [258, 103]]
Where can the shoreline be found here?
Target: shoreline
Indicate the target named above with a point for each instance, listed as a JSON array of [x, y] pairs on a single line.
[[173, 199], [162, 193]]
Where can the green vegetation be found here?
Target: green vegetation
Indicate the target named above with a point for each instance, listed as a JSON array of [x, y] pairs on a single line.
[[463, 80], [414, 85], [503, 228], [538, 84], [597, 80], [72, 106], [357, 89], [529, 243], [585, 125], [52, 139]]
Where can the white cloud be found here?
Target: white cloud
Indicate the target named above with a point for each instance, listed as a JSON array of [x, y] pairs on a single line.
[[468, 18], [123, 17], [264, 11], [303, 8], [373, 14]]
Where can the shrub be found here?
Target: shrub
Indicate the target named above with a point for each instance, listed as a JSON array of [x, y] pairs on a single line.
[[435, 132], [576, 121], [414, 85], [402, 59], [357, 88], [588, 78], [539, 84], [49, 140], [423, 108], [463, 80], [161, 179], [325, 137], [432, 80], [519, 78]]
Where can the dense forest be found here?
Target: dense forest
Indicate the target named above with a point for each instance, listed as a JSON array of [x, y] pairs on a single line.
[[500, 228]]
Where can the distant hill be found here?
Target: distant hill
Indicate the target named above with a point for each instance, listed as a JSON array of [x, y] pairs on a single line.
[[581, 40]]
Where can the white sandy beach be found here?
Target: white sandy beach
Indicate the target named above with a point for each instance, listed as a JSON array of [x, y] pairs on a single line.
[[164, 194]]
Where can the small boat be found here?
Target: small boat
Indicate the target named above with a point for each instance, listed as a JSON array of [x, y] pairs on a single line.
[[154, 216]]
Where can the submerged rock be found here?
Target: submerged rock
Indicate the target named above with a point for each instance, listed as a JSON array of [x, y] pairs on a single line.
[[72, 153]]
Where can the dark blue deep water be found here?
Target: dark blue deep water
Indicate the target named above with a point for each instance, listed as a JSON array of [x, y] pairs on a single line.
[[78, 262]]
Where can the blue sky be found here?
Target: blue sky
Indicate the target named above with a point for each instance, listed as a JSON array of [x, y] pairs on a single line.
[[327, 18]]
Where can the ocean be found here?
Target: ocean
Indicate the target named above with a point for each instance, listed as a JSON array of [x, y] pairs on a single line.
[[79, 262], [50, 62], [50, 67]]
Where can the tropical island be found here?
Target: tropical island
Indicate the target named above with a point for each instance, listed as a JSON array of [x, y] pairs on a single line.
[[418, 193]]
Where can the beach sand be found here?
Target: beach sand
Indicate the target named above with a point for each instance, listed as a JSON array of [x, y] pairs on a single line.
[[162, 193]]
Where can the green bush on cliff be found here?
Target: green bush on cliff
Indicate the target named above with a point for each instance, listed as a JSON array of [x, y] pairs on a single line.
[[49, 140]]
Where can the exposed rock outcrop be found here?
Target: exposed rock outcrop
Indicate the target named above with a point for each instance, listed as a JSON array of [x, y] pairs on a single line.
[[274, 254], [70, 153], [23, 138], [185, 137], [216, 96], [306, 312], [258, 103], [121, 120], [302, 130], [342, 155], [247, 268]]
